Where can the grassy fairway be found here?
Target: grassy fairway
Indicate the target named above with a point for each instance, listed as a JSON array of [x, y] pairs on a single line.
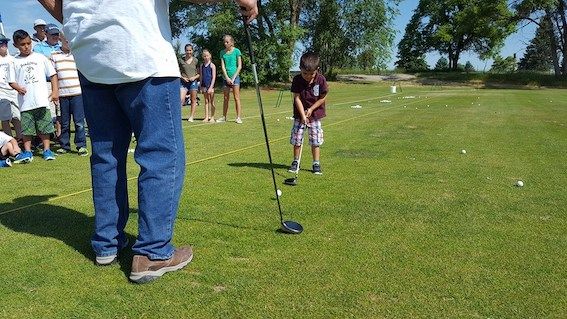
[[401, 224]]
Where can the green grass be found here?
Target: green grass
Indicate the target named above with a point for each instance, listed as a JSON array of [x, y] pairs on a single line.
[[401, 225]]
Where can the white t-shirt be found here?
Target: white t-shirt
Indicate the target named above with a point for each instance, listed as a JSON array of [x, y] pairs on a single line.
[[119, 42], [30, 72], [6, 91]]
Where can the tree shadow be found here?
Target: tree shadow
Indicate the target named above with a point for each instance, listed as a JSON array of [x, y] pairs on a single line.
[[34, 215]]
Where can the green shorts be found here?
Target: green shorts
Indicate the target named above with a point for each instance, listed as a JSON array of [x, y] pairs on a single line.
[[37, 121]]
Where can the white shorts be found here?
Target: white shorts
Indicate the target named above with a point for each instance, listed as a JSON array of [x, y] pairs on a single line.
[[4, 139]]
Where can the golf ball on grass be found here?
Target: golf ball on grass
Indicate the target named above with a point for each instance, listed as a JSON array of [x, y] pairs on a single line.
[[519, 183], [463, 151], [279, 192]]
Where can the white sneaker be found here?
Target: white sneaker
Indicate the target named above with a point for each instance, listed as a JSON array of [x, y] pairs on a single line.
[[238, 120], [221, 119], [190, 119]]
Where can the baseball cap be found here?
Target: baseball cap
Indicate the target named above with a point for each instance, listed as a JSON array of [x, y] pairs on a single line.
[[52, 29], [38, 22], [3, 38]]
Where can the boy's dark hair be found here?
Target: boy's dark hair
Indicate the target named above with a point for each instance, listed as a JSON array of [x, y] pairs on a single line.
[[188, 45], [19, 35], [309, 61]]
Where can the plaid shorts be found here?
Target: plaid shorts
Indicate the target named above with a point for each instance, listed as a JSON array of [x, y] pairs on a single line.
[[37, 121], [314, 130]]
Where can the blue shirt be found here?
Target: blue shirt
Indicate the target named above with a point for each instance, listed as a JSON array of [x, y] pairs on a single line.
[[46, 49]]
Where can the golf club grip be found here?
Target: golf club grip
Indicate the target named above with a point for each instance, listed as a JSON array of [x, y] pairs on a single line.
[[248, 37]]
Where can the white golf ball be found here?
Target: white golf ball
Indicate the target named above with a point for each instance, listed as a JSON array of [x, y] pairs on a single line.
[[463, 151], [279, 192], [519, 183], [278, 120]]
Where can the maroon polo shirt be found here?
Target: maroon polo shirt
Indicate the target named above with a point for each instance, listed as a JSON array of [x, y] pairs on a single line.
[[309, 94]]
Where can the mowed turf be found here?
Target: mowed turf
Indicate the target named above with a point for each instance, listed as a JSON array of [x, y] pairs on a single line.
[[401, 224]]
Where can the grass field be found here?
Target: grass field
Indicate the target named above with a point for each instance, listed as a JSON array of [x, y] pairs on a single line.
[[401, 224]]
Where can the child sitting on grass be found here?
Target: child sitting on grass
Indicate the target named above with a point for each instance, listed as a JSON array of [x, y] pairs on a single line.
[[8, 148]]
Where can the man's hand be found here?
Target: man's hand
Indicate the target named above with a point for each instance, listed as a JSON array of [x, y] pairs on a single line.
[[248, 8]]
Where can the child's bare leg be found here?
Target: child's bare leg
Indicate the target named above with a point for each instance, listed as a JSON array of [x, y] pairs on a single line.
[[6, 128], [316, 153], [236, 94], [212, 105], [27, 142], [296, 151], [13, 148], [225, 101], [45, 141], [183, 95], [206, 119], [193, 95], [17, 127]]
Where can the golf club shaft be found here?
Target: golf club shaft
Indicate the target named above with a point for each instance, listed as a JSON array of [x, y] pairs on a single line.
[[259, 97]]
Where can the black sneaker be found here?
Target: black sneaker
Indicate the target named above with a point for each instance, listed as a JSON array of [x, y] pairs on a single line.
[[317, 169], [294, 167]]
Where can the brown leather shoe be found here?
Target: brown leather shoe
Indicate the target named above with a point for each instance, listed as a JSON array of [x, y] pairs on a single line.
[[145, 270]]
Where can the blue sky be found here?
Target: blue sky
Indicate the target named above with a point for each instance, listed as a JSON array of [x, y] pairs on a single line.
[[21, 14]]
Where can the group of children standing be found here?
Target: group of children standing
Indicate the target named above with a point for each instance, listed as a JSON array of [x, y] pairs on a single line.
[[195, 77], [309, 94], [26, 74], [43, 74]]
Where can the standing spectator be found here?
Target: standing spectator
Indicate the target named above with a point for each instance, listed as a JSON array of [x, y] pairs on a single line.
[[9, 111], [189, 77], [208, 72], [27, 76], [132, 88], [70, 101], [231, 63], [51, 45], [39, 35]]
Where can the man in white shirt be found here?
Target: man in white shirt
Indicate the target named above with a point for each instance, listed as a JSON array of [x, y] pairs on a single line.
[[130, 82]]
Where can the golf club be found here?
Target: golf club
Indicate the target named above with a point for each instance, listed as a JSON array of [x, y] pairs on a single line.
[[293, 180], [288, 226]]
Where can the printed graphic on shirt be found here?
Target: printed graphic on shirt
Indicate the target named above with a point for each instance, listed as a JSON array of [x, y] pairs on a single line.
[[29, 77], [316, 90]]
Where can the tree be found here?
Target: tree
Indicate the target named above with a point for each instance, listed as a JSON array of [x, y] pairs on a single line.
[[343, 32], [553, 13], [469, 67], [412, 47], [452, 27], [538, 55], [442, 64], [504, 65]]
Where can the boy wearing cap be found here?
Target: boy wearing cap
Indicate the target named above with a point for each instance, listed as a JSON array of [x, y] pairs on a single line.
[[39, 27], [51, 43], [8, 97], [27, 75]]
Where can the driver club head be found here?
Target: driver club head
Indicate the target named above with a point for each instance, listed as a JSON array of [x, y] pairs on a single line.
[[290, 181], [291, 227]]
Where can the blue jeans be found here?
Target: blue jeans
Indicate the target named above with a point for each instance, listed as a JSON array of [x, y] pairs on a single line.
[[150, 109], [72, 105]]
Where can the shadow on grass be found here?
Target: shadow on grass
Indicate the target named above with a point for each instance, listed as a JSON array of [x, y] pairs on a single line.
[[258, 165], [34, 215], [210, 222]]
